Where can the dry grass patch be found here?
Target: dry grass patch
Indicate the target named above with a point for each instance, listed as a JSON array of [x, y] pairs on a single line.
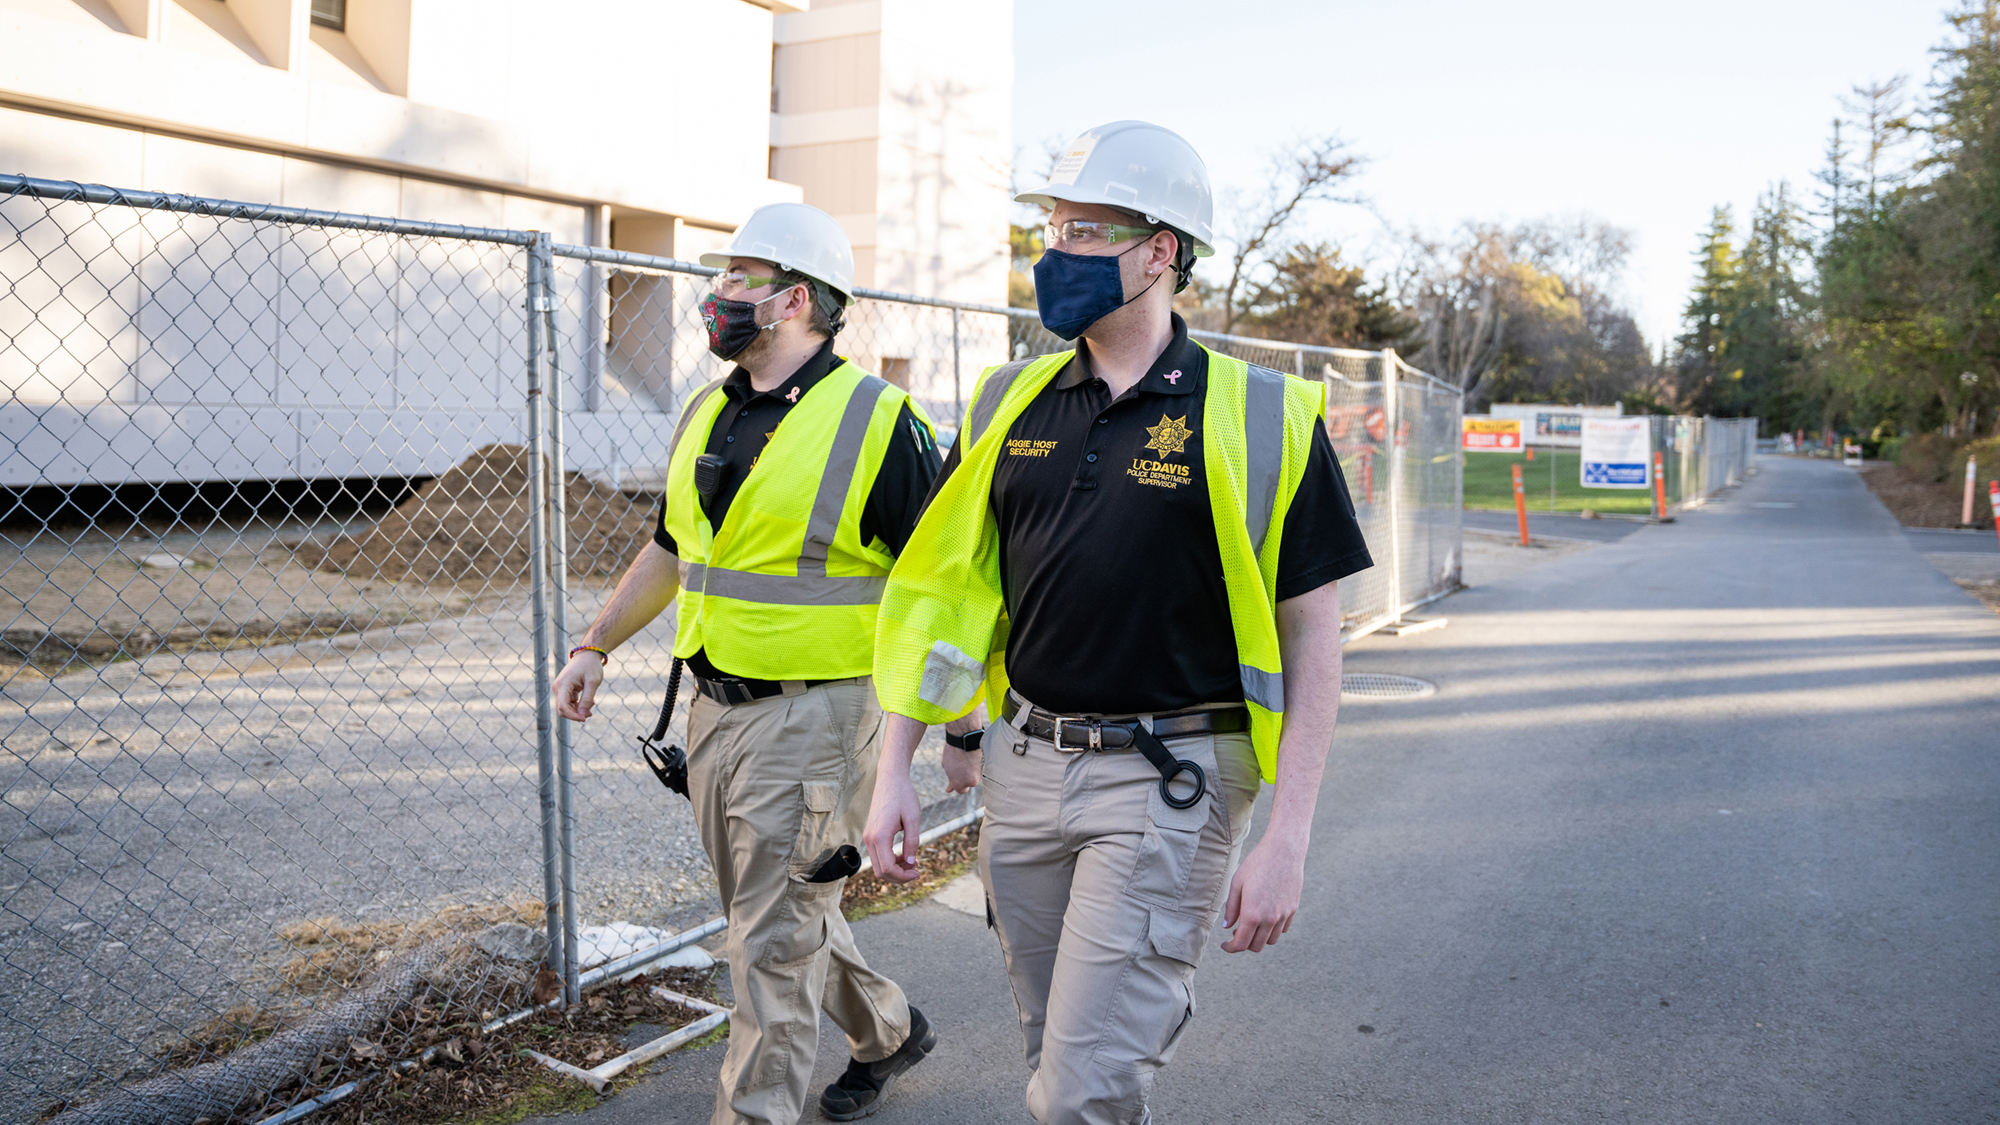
[[337, 953]]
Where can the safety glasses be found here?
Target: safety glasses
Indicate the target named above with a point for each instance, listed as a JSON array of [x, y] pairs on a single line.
[[735, 281], [1078, 235]]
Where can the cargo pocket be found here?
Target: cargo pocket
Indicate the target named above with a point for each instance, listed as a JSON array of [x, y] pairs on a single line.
[[815, 844], [1177, 937]]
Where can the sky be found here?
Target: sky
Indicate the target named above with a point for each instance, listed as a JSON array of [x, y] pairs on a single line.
[[1645, 115]]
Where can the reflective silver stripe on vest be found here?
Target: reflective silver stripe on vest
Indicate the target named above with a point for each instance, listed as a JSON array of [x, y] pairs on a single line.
[[1264, 441], [784, 589], [841, 462], [1265, 689], [990, 396]]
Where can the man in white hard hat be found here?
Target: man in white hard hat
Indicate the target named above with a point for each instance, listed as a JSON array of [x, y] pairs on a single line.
[[793, 482], [1133, 550]]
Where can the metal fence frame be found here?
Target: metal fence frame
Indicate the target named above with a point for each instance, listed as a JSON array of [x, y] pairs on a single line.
[[1391, 415]]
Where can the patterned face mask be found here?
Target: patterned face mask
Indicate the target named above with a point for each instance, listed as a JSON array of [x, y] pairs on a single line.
[[732, 325]]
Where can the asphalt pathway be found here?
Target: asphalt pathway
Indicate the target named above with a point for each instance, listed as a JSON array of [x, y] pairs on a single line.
[[1947, 541], [1701, 826]]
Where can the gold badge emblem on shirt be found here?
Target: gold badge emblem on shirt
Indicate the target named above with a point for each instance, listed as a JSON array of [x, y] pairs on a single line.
[[1170, 436]]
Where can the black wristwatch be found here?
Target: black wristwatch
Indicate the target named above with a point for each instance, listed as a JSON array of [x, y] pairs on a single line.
[[968, 742]]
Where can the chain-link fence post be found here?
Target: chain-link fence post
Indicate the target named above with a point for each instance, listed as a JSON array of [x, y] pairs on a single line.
[[1392, 421], [558, 542], [538, 300]]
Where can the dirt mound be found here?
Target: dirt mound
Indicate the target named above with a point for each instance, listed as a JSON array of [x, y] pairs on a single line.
[[472, 523]]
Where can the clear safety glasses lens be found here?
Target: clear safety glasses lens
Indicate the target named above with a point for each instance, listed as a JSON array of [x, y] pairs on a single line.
[[735, 281], [1078, 235]]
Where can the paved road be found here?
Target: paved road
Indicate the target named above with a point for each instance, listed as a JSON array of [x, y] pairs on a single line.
[[1701, 826], [1945, 541], [1551, 525]]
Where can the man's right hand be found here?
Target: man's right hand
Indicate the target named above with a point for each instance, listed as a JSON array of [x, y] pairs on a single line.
[[575, 689]]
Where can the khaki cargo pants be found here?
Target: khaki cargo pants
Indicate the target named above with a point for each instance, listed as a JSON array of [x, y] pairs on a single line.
[[778, 784], [1104, 896]]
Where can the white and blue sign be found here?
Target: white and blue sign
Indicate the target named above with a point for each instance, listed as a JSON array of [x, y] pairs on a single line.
[[1617, 453]]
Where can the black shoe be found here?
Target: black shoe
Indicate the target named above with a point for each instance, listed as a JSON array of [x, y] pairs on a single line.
[[863, 1088]]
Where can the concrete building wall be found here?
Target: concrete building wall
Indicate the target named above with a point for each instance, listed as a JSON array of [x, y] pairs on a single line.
[[893, 116], [646, 125], [621, 102]]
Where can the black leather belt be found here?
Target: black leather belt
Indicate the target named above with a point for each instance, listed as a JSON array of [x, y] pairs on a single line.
[[1071, 732], [732, 692]]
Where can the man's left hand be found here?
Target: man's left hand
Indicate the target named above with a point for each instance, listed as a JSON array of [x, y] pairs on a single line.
[[1264, 895]]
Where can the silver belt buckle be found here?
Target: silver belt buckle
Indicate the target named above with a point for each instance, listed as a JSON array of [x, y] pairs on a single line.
[[1096, 727]]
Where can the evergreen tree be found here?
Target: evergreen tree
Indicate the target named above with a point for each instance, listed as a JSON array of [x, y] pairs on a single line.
[[1766, 339], [1704, 365]]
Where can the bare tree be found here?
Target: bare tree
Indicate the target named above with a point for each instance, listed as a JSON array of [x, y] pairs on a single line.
[[1455, 291], [1310, 172], [1463, 337], [1529, 310]]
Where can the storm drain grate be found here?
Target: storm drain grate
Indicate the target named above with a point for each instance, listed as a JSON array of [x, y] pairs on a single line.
[[1383, 685]]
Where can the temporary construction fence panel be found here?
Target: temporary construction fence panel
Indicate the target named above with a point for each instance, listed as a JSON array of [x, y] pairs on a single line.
[[304, 510], [1702, 456]]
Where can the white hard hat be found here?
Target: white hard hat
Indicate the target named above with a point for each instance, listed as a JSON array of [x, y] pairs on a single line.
[[1136, 167], [797, 237]]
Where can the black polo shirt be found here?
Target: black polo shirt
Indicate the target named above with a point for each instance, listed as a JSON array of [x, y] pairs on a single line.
[[1108, 555], [745, 426]]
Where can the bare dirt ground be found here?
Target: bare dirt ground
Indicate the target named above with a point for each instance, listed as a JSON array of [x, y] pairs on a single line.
[[459, 544], [1922, 503]]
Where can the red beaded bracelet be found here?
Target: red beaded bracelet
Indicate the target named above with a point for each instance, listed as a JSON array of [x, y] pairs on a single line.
[[602, 655]]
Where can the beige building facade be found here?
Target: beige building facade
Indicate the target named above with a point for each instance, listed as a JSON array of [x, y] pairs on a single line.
[[653, 126]]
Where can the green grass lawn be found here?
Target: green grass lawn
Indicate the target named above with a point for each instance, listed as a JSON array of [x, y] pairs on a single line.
[[1489, 483]]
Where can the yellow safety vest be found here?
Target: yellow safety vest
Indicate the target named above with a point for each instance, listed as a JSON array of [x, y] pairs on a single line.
[[785, 589], [942, 630]]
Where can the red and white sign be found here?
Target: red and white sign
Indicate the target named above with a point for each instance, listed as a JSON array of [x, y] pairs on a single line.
[[1492, 435]]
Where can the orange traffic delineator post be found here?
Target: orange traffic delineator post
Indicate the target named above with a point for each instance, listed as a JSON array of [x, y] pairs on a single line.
[[1659, 485], [1993, 497], [1521, 503]]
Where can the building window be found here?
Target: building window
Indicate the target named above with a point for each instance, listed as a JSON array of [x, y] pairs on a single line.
[[330, 13]]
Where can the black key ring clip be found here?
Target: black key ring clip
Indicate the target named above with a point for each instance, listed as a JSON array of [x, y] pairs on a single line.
[[1181, 766], [1170, 768]]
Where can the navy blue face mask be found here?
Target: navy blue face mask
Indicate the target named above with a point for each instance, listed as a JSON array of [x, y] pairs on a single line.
[[1075, 291]]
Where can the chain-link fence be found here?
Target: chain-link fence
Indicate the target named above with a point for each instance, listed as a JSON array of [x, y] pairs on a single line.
[[1700, 457], [302, 509]]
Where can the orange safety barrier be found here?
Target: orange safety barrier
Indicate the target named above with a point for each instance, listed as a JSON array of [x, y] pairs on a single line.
[[1521, 504], [1659, 485]]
